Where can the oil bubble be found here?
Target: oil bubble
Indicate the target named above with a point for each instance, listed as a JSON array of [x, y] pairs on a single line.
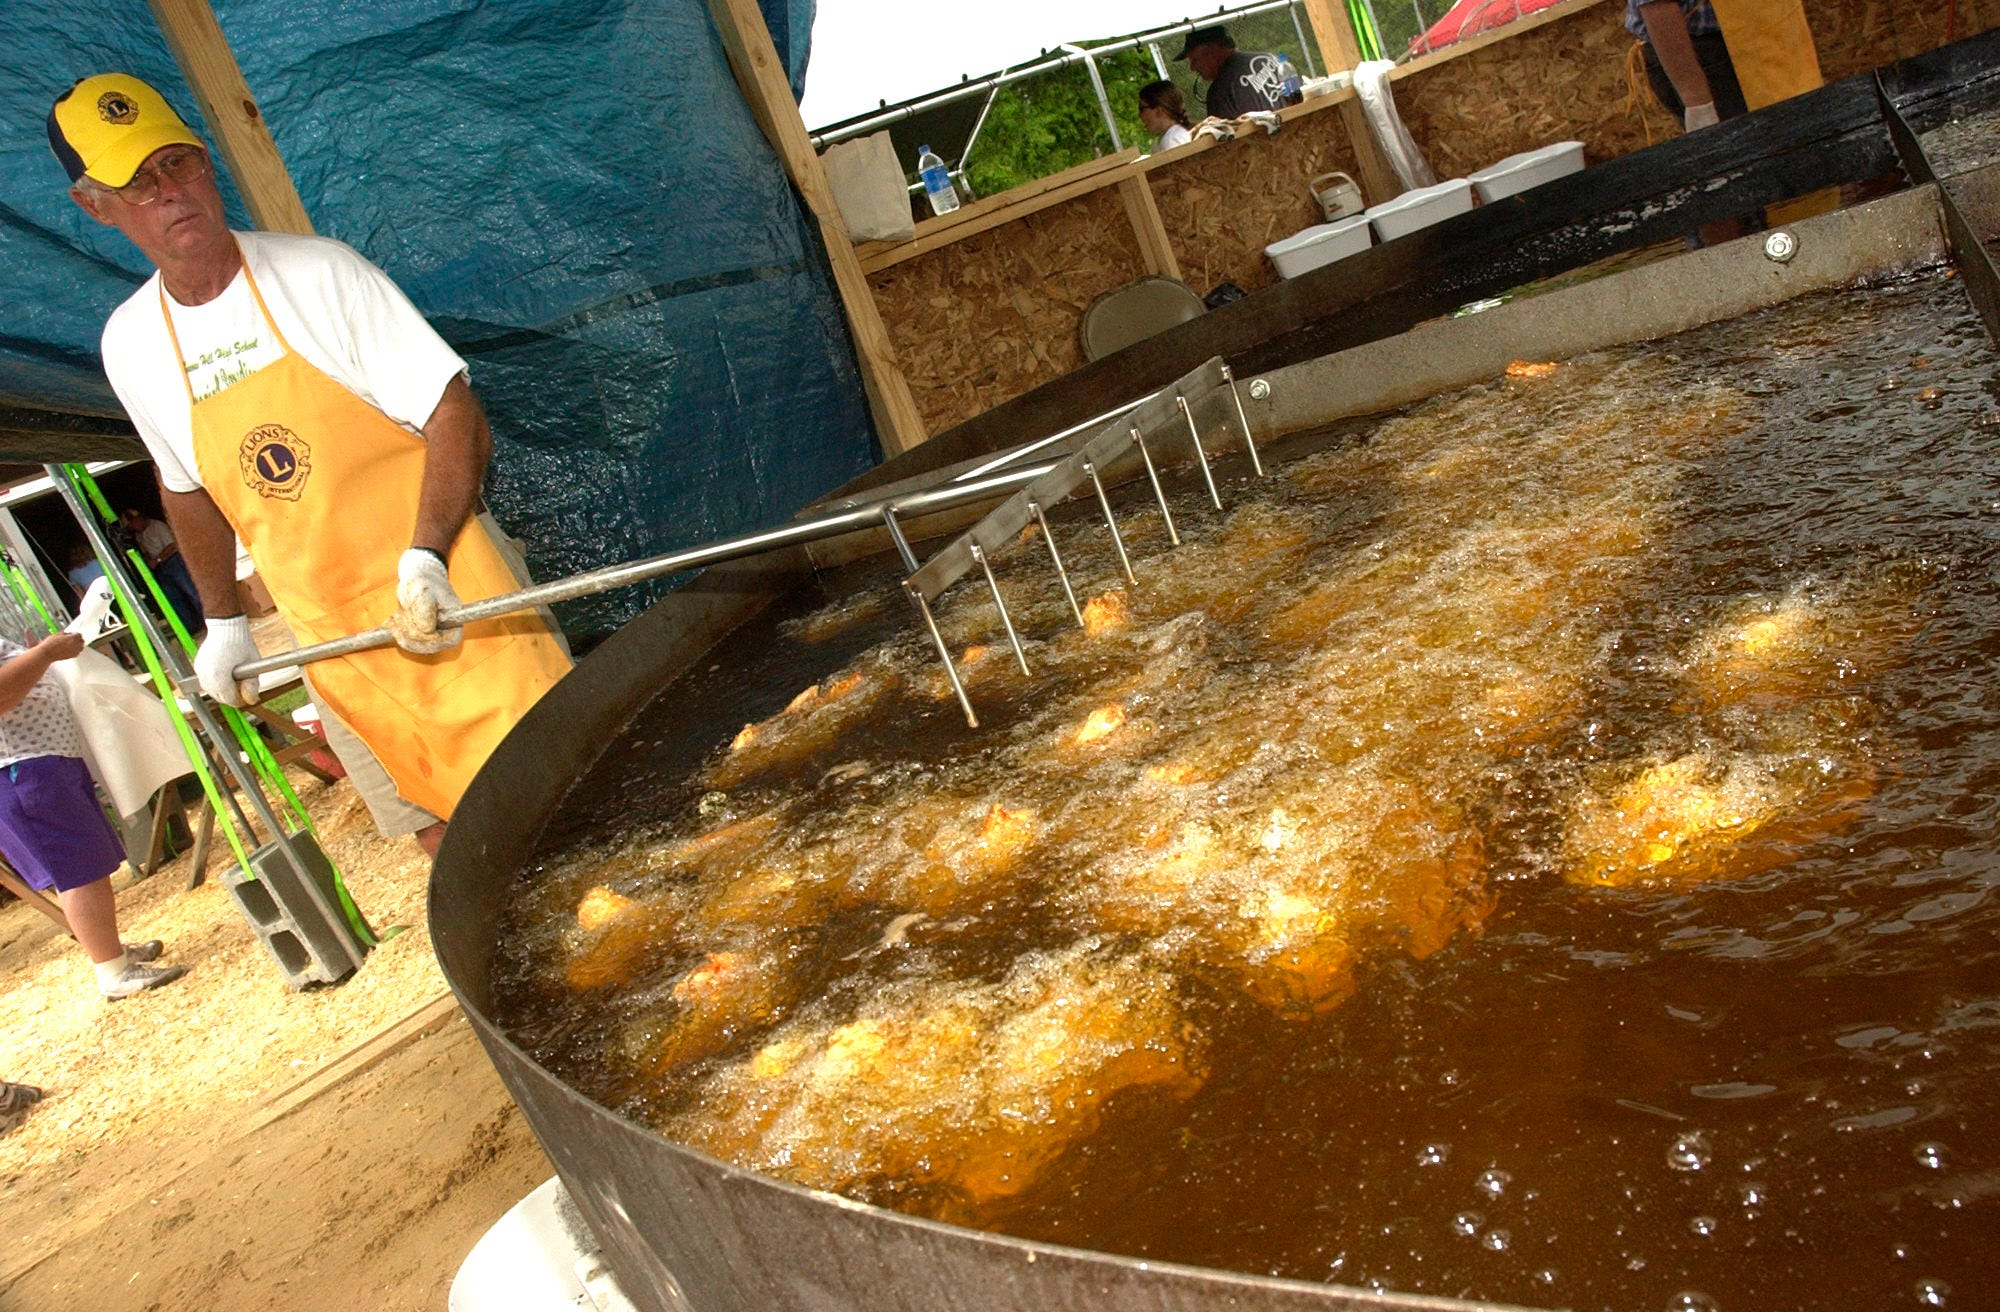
[[1932, 1292], [1690, 1152], [1496, 1240], [1931, 1154], [1433, 1154], [1492, 1182], [1692, 1300], [1702, 1225], [1467, 1223], [1546, 1276]]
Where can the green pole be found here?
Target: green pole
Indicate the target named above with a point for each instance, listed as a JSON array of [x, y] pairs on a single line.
[[80, 480], [1366, 36], [246, 735], [18, 581]]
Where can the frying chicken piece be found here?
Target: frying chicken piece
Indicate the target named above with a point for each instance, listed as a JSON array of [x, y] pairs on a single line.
[[814, 719], [972, 1089], [1101, 722], [1708, 816], [728, 995], [1105, 613]]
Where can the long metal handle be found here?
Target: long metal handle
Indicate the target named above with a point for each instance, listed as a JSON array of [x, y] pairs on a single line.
[[589, 584]]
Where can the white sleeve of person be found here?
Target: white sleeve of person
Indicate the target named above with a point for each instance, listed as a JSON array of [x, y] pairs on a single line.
[[423, 589], [227, 645]]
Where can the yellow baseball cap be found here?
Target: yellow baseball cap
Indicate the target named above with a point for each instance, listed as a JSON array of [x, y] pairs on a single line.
[[106, 126]]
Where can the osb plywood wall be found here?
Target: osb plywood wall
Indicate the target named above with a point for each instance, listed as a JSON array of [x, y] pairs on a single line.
[[987, 318], [1855, 36], [1573, 79], [1223, 206]]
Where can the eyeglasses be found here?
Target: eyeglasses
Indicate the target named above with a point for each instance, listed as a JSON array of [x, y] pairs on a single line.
[[183, 166]]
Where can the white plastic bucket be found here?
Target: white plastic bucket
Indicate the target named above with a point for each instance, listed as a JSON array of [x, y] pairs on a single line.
[[1321, 244], [1420, 208], [1530, 168]]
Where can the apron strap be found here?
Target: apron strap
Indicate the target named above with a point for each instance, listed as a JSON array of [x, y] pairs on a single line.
[[166, 313]]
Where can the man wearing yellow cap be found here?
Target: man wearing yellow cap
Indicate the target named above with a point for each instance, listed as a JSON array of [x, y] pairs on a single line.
[[292, 396]]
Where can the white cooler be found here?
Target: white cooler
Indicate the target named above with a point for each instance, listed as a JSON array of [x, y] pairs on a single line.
[[1530, 168], [1420, 208], [1323, 243]]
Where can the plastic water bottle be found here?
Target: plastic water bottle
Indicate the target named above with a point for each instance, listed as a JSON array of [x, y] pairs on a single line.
[[937, 182], [1289, 92]]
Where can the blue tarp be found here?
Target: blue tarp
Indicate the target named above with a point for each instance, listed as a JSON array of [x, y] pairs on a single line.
[[575, 194]]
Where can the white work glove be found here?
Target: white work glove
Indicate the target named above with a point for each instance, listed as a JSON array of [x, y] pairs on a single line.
[[422, 590], [1700, 116], [227, 645]]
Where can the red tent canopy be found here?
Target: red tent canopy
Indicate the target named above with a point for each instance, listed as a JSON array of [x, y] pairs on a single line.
[[1470, 18]]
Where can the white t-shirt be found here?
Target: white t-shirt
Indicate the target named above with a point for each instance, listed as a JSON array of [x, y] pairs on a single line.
[[42, 724], [335, 308], [1175, 135], [155, 538]]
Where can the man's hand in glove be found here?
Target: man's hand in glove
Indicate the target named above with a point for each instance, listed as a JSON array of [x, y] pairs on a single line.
[[227, 645], [423, 589], [1700, 116]]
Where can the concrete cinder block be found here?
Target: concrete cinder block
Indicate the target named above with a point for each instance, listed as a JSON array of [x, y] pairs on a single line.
[[297, 918]]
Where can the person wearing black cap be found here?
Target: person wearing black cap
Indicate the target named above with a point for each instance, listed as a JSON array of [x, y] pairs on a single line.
[[1239, 81]]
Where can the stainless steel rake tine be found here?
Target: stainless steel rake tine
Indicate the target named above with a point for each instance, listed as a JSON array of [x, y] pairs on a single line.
[[1006, 620], [1201, 456], [944, 652], [1244, 420], [896, 536], [1035, 507], [1117, 538], [1153, 477]]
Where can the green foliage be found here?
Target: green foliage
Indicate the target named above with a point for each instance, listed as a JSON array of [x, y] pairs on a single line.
[[1052, 122]]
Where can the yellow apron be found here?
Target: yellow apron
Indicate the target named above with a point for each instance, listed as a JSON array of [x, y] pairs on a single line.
[[1771, 47], [326, 485]]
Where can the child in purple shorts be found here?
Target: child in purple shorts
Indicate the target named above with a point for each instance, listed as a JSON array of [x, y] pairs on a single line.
[[51, 828]]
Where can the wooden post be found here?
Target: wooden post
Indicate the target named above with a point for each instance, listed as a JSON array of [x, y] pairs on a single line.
[[231, 114], [754, 61], [1378, 179], [1334, 31], [1140, 208], [41, 902]]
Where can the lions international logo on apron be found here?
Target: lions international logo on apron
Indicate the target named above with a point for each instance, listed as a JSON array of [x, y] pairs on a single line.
[[276, 462]]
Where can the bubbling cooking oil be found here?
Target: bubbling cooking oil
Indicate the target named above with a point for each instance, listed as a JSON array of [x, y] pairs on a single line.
[[1541, 852]]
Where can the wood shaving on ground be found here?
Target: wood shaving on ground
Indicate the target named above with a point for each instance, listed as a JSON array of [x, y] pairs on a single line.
[[162, 1077]]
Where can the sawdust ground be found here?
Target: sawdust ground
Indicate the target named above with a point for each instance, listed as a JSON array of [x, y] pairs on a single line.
[[216, 1144]]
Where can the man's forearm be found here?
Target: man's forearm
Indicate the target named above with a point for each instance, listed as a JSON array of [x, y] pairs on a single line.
[[457, 444], [1667, 29], [208, 544]]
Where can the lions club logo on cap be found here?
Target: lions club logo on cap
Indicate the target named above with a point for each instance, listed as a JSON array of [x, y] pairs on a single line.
[[276, 462], [117, 107]]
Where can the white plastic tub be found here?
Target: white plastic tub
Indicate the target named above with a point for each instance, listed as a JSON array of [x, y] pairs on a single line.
[[1420, 209], [1530, 168], [1323, 243]]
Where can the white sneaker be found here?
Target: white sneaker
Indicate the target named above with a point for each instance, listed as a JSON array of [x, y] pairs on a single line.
[[137, 978], [142, 953]]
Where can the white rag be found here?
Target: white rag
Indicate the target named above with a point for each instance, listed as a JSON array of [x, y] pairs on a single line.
[[129, 741], [1371, 84]]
